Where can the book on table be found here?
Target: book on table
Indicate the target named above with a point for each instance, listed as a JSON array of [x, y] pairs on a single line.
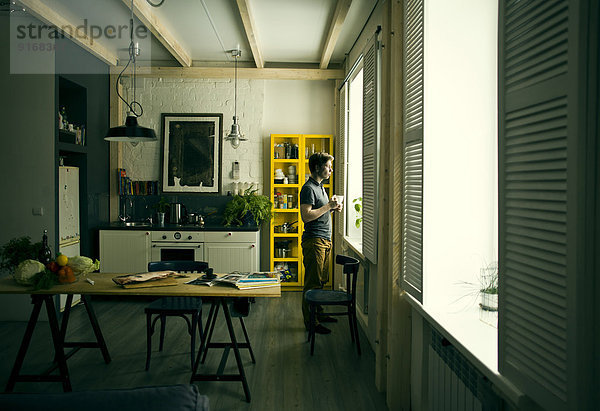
[[241, 280]]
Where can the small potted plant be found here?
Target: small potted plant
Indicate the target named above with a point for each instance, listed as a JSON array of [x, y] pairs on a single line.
[[247, 208], [161, 208], [488, 289]]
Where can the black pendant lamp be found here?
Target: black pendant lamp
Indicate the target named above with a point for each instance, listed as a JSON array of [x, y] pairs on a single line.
[[131, 132]]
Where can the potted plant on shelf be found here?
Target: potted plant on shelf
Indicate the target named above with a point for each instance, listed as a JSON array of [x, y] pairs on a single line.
[[488, 289], [247, 207]]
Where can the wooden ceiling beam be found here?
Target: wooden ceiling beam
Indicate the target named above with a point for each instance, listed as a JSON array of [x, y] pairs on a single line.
[[144, 12], [249, 73], [335, 28], [48, 16], [249, 27]]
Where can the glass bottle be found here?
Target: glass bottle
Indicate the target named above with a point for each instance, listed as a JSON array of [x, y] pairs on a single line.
[[63, 112], [45, 253]]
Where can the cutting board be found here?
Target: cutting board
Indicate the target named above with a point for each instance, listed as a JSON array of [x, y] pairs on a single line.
[[156, 283]]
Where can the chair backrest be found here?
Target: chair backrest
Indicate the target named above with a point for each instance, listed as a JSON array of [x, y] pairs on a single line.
[[351, 270], [178, 265]]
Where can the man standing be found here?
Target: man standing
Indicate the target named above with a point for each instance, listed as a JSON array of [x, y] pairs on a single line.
[[315, 209]]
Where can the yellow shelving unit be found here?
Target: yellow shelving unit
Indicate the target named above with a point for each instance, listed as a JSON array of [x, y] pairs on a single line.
[[283, 146]]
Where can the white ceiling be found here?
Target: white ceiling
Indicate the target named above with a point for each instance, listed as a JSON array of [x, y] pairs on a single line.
[[289, 33]]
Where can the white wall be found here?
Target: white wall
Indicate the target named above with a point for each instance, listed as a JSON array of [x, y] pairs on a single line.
[[264, 107], [298, 107], [158, 95]]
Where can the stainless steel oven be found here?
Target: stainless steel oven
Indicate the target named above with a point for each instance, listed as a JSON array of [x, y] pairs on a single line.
[[177, 245]]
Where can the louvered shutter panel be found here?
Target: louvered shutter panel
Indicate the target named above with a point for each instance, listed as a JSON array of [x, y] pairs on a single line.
[[412, 155], [370, 149], [536, 115], [340, 158]]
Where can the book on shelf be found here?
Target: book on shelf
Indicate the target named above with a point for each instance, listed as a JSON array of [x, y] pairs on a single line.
[[241, 281], [127, 186]]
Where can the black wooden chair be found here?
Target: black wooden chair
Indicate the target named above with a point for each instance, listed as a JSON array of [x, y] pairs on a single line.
[[318, 297], [175, 306]]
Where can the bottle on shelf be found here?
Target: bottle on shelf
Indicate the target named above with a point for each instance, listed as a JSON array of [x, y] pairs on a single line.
[[65, 123], [45, 253]]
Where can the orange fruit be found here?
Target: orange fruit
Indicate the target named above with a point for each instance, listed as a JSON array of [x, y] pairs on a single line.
[[66, 275]]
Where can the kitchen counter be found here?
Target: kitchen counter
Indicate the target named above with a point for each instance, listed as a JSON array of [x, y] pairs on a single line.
[[176, 227]]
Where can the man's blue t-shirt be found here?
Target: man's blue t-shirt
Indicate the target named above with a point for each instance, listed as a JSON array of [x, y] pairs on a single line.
[[314, 194]]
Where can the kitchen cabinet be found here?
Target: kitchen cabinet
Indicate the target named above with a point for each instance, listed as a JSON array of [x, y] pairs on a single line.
[[130, 250], [286, 212], [227, 251], [124, 251]]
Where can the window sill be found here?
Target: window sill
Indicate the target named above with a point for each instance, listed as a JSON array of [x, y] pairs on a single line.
[[355, 245]]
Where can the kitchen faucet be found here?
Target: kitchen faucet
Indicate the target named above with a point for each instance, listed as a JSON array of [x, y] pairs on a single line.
[[126, 217]]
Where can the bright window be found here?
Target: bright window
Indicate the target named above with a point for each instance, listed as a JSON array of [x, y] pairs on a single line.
[[460, 168], [354, 159]]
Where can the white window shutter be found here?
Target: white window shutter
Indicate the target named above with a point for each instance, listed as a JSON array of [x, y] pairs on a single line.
[[539, 118], [340, 157], [412, 156], [371, 58]]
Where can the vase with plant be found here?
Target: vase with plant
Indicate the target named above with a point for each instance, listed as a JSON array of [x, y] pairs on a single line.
[[488, 288], [161, 208], [248, 207]]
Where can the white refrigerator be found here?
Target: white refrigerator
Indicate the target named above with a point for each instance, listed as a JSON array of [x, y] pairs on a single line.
[[68, 217]]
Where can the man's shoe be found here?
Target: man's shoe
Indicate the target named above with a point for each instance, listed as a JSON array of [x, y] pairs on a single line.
[[321, 329], [327, 319]]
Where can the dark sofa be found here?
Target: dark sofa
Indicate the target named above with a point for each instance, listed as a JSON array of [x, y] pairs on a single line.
[[172, 398]]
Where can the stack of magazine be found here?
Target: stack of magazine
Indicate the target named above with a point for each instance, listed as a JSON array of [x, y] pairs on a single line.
[[242, 281]]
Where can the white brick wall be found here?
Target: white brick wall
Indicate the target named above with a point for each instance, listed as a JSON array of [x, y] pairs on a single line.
[[158, 95]]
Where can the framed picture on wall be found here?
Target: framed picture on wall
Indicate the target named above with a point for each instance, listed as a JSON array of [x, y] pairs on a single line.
[[192, 153]]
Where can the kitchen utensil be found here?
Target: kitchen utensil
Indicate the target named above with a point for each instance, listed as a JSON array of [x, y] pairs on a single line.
[[196, 219], [285, 227], [177, 212], [282, 252]]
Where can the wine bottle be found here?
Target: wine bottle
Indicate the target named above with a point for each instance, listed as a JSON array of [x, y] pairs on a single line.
[[45, 253]]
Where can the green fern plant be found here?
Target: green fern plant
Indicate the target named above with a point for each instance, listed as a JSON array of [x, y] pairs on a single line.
[[247, 206]]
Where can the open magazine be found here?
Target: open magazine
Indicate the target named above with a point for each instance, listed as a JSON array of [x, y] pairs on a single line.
[[241, 280]]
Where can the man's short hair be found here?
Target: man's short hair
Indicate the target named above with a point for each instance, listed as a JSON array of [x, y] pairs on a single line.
[[317, 161]]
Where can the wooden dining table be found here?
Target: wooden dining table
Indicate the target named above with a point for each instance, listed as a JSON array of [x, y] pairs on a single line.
[[104, 285]]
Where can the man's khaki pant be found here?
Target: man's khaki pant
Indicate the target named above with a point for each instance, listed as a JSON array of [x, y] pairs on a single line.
[[316, 253]]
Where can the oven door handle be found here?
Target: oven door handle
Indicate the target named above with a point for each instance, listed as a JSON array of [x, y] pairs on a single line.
[[175, 246]]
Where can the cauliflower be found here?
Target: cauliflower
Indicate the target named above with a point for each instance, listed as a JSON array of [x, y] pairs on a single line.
[[83, 265], [26, 270]]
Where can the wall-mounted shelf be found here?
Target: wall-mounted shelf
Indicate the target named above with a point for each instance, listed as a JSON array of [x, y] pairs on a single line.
[[71, 148]]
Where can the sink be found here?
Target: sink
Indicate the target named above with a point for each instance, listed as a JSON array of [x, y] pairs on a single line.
[[136, 224]]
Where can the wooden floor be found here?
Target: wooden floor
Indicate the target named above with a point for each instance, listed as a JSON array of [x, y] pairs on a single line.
[[285, 376]]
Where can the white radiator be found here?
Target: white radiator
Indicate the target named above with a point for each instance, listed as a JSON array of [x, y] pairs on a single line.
[[454, 384]]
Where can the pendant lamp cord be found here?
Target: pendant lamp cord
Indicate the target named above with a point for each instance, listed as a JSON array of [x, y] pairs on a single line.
[[132, 50], [235, 89]]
